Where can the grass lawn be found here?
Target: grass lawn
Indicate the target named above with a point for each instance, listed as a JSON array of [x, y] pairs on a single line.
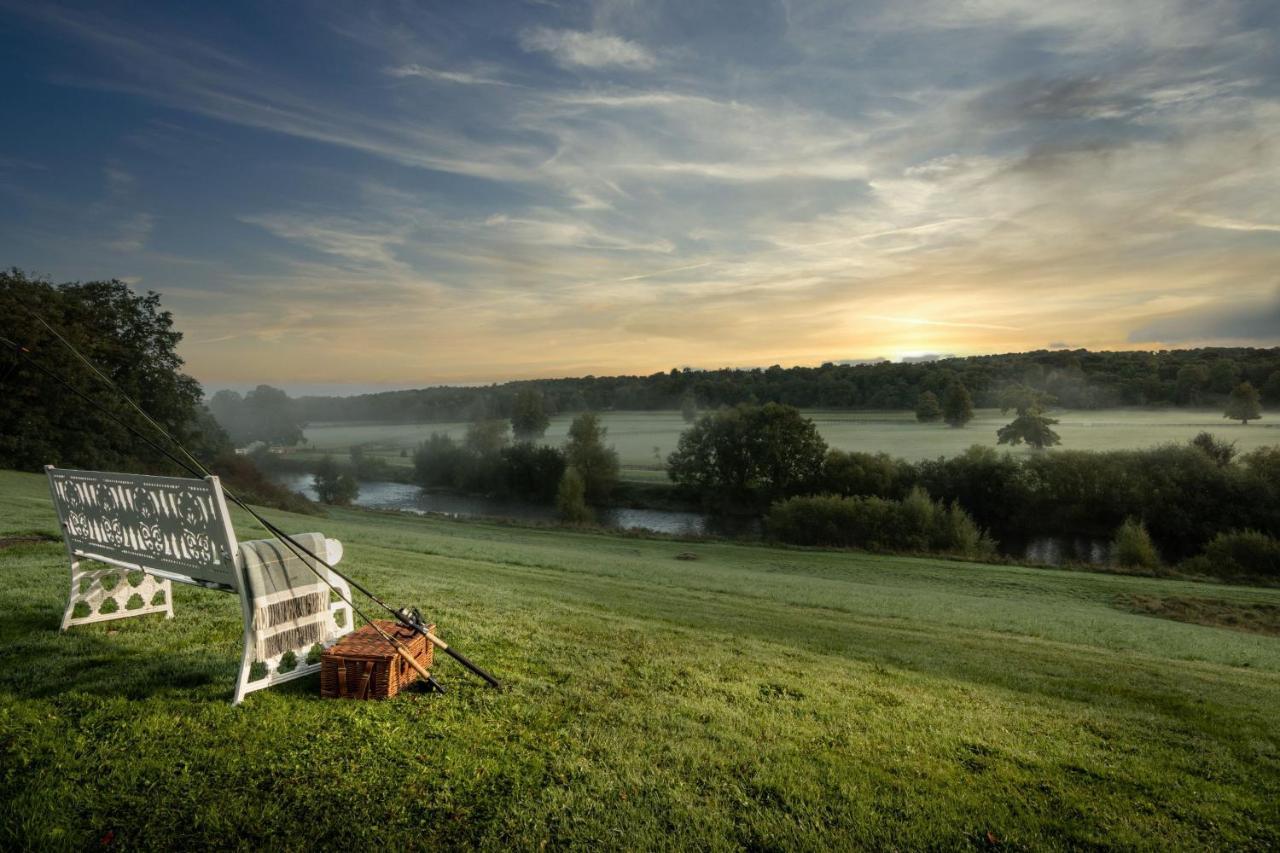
[[755, 697], [636, 435]]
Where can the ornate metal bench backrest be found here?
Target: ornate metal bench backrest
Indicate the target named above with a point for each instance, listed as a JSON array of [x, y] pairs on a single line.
[[172, 527], [150, 531]]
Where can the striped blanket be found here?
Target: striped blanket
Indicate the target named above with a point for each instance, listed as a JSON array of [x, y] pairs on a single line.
[[290, 603]]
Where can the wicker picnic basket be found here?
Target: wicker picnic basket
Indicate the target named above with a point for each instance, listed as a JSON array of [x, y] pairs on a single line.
[[362, 665]]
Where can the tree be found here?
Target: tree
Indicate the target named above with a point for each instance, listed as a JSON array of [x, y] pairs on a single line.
[[1033, 427], [529, 415], [533, 471], [265, 414], [1271, 389], [227, 407], [1243, 404], [571, 496], [928, 411], [1223, 375], [749, 456], [587, 454], [486, 437], [129, 337], [689, 407], [272, 416], [1023, 399], [957, 405], [1193, 379], [438, 462], [332, 484]]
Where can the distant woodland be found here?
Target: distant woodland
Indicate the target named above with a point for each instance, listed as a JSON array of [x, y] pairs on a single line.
[[1076, 379]]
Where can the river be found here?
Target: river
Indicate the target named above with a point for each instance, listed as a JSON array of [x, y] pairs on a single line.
[[1042, 550]]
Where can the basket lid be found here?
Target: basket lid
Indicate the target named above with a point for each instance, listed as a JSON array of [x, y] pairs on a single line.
[[365, 642]]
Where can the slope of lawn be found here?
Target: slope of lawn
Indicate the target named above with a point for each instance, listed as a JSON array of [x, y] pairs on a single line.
[[752, 697]]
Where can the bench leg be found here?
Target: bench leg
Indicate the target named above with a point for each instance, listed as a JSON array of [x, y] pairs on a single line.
[[103, 594]]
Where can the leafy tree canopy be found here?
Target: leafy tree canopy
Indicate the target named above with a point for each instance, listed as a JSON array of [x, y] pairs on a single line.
[[1024, 399], [332, 484], [131, 339], [749, 455], [487, 437], [1031, 427], [957, 405], [587, 454], [265, 414], [689, 407], [928, 410], [529, 415], [1243, 405]]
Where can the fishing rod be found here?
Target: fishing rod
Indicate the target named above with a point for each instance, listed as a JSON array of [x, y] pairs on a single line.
[[290, 543], [410, 618]]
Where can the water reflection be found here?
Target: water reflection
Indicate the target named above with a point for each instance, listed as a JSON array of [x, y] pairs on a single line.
[[1057, 550], [381, 495], [1042, 550]]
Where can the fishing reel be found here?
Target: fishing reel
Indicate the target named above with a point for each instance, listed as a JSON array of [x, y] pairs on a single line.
[[411, 617]]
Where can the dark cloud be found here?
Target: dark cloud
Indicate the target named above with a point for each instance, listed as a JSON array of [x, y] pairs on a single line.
[[1060, 345], [1037, 99], [1256, 320]]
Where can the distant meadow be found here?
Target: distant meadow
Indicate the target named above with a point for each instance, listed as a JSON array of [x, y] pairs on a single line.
[[644, 439]]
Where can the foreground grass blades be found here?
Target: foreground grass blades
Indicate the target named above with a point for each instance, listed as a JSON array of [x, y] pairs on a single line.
[[753, 697]]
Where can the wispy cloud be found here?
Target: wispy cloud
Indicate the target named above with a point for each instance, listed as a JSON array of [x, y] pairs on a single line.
[[462, 77], [132, 233], [576, 49]]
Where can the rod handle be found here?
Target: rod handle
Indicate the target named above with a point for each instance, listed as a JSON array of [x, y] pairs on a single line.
[[413, 662]]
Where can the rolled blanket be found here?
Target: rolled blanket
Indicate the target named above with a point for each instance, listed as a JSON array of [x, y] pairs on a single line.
[[290, 603]]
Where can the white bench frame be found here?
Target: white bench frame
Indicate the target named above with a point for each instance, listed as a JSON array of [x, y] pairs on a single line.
[[169, 529]]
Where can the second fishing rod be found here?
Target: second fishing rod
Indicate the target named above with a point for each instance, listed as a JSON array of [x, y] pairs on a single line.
[[410, 618]]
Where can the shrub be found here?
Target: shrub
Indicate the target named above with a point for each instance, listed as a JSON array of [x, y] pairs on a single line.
[[1243, 552], [1132, 547], [915, 523], [858, 473], [332, 484], [992, 486], [1221, 452], [571, 498], [532, 471], [438, 462]]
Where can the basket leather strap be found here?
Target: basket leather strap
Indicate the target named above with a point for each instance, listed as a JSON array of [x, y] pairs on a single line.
[[364, 680]]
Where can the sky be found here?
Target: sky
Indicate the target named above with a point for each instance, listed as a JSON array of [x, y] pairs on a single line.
[[359, 195]]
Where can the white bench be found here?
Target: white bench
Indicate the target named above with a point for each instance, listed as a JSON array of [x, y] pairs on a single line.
[[151, 531]]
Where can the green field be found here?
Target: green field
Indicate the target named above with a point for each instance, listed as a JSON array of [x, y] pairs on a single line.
[[637, 435], [754, 697]]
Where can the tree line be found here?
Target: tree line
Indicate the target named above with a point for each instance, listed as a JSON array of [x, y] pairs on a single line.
[[1076, 379], [770, 461]]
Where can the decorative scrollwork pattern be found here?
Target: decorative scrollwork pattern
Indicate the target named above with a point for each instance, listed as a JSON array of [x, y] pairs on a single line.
[[166, 523]]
